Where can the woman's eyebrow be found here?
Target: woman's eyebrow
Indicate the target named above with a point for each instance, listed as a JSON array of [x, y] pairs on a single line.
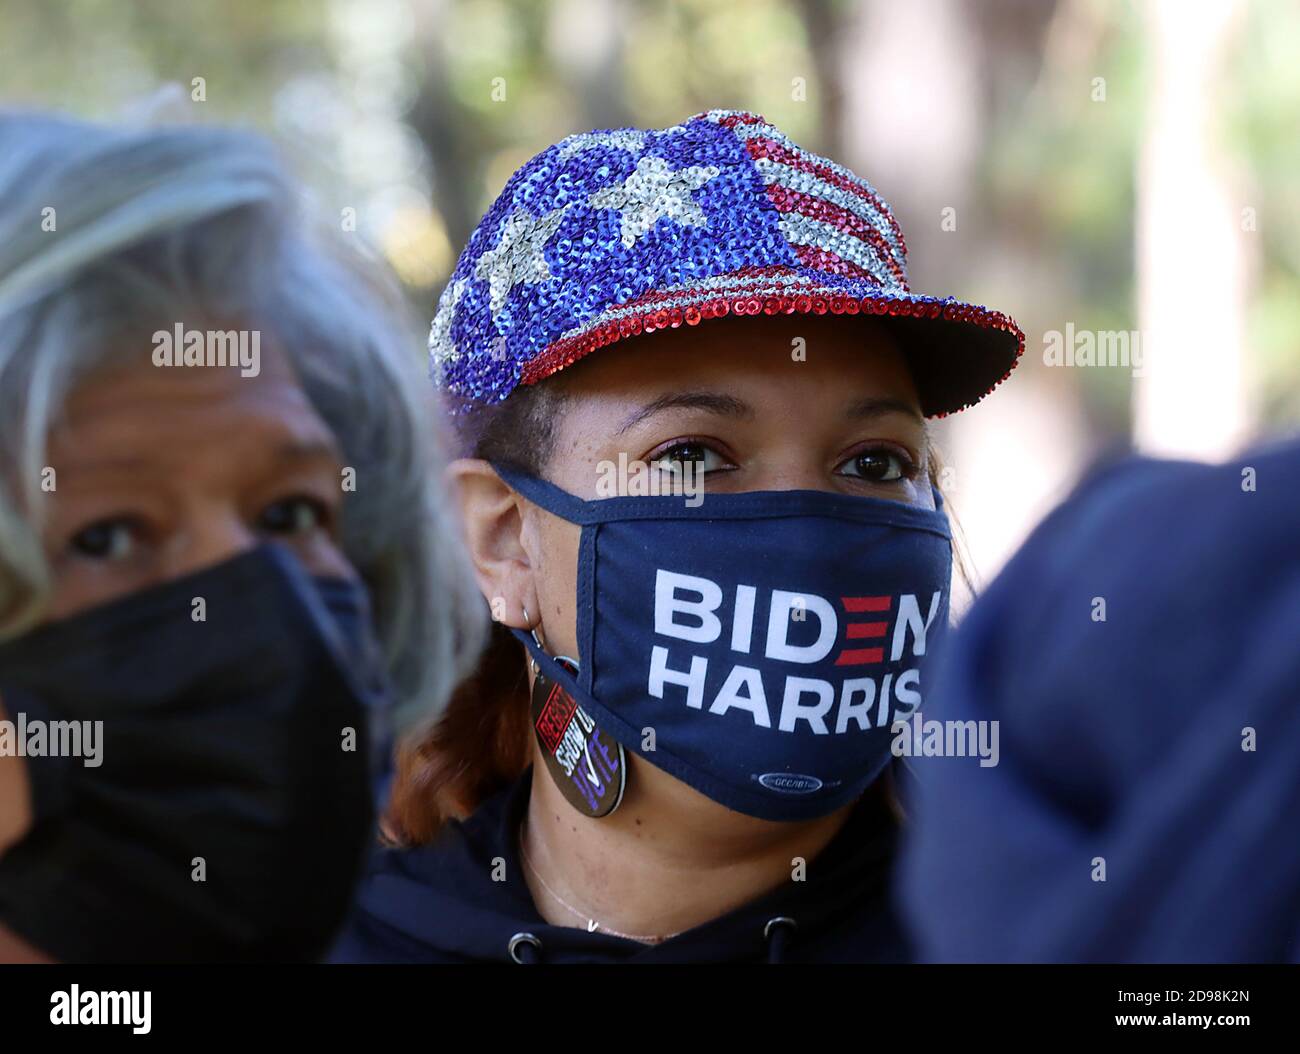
[[714, 402], [872, 407], [297, 451], [287, 454]]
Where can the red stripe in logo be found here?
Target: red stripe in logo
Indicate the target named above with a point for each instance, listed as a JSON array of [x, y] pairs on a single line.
[[864, 630]]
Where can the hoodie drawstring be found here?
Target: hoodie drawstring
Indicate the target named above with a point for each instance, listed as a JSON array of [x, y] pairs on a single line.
[[525, 948], [777, 933]]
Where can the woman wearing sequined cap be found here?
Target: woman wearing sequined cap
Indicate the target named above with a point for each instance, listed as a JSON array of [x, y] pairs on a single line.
[[714, 553]]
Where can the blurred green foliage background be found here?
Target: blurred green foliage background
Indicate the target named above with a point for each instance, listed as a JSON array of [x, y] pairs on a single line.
[[415, 112]]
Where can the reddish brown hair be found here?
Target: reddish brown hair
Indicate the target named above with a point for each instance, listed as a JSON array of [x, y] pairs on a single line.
[[483, 741]]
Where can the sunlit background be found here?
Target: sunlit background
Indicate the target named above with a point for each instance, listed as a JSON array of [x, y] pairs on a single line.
[[1115, 174]]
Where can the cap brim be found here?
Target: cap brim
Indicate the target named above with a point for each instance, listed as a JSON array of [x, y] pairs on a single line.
[[958, 352], [956, 361]]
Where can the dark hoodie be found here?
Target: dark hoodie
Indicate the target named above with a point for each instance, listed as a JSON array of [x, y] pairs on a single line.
[[438, 904]]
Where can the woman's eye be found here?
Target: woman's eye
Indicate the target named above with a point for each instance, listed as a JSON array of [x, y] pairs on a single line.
[[700, 457], [877, 466], [293, 516], [106, 540]]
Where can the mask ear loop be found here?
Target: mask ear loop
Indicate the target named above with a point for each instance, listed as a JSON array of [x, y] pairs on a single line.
[[541, 646]]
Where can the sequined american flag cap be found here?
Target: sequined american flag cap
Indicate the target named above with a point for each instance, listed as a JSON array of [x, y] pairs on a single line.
[[611, 234]]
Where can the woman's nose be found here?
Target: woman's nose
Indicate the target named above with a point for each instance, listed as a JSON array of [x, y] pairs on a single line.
[[209, 536], [792, 475]]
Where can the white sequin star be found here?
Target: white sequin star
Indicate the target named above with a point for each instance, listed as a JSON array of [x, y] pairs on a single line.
[[630, 139], [518, 255], [652, 192], [440, 344]]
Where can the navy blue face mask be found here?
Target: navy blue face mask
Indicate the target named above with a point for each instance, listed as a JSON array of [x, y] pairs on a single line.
[[757, 647]]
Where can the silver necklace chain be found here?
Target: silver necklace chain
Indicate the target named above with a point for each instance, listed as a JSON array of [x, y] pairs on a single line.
[[592, 924]]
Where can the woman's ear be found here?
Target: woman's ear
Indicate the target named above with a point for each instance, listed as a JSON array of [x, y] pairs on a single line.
[[492, 515]]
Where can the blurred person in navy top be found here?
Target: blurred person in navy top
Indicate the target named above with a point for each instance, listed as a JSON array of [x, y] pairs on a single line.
[[1141, 656]]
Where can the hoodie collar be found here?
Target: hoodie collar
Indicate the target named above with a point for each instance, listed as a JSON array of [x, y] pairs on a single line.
[[464, 897]]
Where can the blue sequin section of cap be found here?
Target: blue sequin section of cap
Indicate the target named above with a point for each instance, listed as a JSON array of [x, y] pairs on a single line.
[[563, 257]]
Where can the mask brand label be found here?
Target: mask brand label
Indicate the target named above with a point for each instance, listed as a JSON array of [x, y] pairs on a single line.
[[843, 637], [790, 782]]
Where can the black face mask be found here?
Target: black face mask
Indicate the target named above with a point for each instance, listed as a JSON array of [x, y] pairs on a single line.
[[244, 719]]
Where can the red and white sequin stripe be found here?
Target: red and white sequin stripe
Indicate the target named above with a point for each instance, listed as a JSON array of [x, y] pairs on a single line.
[[833, 219], [752, 291]]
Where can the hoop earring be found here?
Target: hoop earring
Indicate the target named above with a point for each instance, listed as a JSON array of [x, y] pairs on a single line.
[[536, 639], [593, 795]]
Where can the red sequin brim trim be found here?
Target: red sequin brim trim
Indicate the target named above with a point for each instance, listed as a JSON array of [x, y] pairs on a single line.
[[568, 350]]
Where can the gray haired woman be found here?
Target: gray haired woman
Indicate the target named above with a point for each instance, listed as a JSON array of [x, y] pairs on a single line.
[[225, 572]]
